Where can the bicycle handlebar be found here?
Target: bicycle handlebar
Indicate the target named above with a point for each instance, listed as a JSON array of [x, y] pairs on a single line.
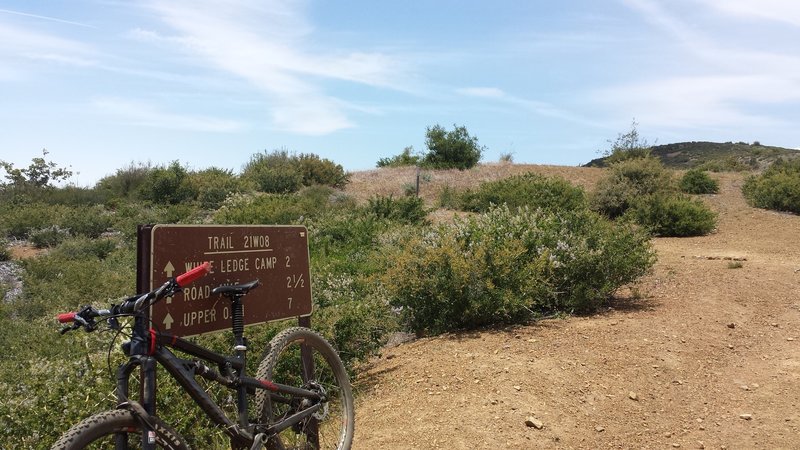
[[131, 305]]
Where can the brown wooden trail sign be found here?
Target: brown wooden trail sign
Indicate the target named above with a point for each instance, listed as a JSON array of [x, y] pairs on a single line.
[[275, 255]]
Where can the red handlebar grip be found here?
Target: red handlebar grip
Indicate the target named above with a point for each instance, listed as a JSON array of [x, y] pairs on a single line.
[[189, 277], [66, 317]]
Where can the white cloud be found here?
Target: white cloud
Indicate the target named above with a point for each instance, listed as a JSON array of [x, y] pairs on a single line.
[[48, 18], [144, 114], [486, 92], [28, 44], [697, 102], [264, 42], [727, 82], [787, 11]]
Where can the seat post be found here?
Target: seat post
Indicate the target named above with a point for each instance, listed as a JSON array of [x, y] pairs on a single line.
[[237, 324]]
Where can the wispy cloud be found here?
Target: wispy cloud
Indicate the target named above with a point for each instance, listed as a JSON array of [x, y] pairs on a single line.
[[140, 113], [48, 18], [729, 80], [264, 42], [787, 11], [30, 44], [536, 107]]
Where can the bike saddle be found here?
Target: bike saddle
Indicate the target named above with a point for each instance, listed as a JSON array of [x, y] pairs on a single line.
[[235, 289]]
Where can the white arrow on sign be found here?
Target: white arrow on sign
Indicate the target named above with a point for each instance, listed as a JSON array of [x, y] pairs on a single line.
[[169, 268], [168, 321]]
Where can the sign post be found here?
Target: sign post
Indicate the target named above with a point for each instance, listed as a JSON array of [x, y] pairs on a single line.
[[275, 255]]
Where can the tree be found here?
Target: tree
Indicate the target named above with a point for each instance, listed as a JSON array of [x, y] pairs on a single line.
[[41, 173], [627, 146], [451, 149]]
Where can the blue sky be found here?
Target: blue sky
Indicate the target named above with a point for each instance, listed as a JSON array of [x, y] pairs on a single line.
[[103, 83]]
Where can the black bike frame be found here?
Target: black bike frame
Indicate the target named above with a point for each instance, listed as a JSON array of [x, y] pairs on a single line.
[[184, 372]]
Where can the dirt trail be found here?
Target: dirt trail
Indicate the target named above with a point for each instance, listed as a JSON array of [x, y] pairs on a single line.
[[708, 357]]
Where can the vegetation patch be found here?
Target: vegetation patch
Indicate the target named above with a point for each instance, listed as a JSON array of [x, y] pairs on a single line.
[[778, 188], [673, 215], [528, 190], [696, 181], [510, 265]]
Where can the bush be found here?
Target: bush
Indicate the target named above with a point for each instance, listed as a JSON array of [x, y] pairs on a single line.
[[167, 185], [126, 182], [673, 215], [5, 252], [409, 210], [531, 190], [696, 181], [629, 180], [728, 164], [89, 221], [450, 198], [451, 149], [281, 173], [506, 266], [625, 147], [213, 186], [402, 160], [48, 237], [276, 208], [18, 222], [83, 248], [315, 170], [778, 188]]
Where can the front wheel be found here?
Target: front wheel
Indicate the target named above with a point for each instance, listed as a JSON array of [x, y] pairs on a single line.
[[331, 427], [116, 429]]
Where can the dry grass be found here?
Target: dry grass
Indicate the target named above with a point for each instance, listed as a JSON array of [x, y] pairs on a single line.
[[392, 181]]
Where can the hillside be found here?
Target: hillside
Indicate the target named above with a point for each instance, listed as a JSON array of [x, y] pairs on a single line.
[[726, 156], [704, 353]]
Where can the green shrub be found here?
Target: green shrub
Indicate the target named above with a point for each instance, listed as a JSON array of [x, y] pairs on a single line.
[[5, 253], [531, 190], [450, 198], [276, 208], [273, 172], [213, 186], [402, 160], [83, 248], [126, 182], [316, 170], [451, 149], [19, 221], [728, 164], [628, 180], [70, 196], [89, 221], [48, 237], [280, 173], [696, 181], [626, 146], [673, 215], [778, 188], [506, 266], [410, 210], [167, 185]]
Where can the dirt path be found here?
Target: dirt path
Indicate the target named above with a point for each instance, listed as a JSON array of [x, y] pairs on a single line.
[[709, 357]]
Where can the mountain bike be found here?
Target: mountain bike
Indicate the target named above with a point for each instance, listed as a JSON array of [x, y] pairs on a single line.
[[300, 397]]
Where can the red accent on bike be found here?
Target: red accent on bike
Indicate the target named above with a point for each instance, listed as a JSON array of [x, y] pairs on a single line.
[[152, 342], [66, 317], [269, 385], [198, 272]]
